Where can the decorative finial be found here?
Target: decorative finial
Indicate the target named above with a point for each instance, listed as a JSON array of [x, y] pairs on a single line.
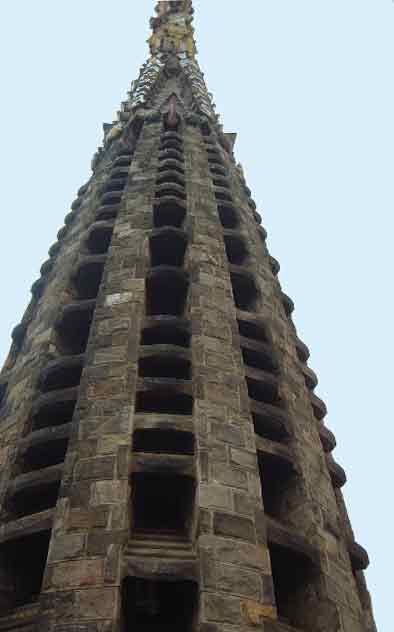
[[172, 28]]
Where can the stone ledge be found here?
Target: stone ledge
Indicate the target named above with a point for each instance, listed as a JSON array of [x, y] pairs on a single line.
[[336, 471], [33, 480], [319, 407], [27, 526], [286, 537], [25, 619], [156, 421], [163, 463], [162, 570], [358, 556], [46, 435]]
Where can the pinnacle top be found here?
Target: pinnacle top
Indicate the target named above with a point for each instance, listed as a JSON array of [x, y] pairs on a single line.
[[172, 28]]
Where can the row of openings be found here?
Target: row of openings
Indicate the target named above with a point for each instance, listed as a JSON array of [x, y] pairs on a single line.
[[155, 511], [113, 190], [293, 574], [72, 332], [267, 425], [170, 180], [23, 561], [55, 413]]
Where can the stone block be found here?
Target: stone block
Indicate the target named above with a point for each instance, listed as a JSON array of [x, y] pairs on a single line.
[[228, 434], [244, 504], [118, 299], [79, 573], [96, 604], [110, 355], [244, 458], [232, 526], [221, 608], [230, 476], [96, 518], [109, 492], [242, 554], [238, 581], [93, 469], [215, 496], [66, 547]]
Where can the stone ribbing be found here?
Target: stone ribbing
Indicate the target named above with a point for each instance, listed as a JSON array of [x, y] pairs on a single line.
[[235, 573], [92, 521]]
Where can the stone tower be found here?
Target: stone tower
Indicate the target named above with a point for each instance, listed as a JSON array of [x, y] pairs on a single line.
[[165, 466]]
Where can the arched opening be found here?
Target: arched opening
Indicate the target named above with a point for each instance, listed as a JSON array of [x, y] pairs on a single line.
[[158, 606], [170, 190], [88, 277], [168, 213], [165, 154], [173, 165], [278, 484], [23, 564], [164, 365], [170, 177], [259, 359], [38, 494], [166, 402], [62, 374], [171, 143], [54, 409], [168, 247], [223, 196], [115, 185], [99, 237], [74, 327], [228, 216], [253, 330], [46, 453], [294, 577], [170, 332], [155, 510], [245, 291], [156, 441], [166, 292], [110, 199], [221, 182], [236, 249], [269, 425], [263, 390]]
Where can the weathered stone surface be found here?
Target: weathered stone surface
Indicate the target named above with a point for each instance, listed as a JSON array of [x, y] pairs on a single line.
[[80, 573], [214, 495], [98, 468], [242, 553], [228, 475], [234, 527], [65, 547], [220, 608], [235, 580]]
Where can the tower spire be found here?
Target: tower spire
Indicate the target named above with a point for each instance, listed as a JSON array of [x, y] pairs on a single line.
[[172, 30]]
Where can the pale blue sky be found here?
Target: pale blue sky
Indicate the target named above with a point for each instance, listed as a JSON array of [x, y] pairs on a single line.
[[308, 86]]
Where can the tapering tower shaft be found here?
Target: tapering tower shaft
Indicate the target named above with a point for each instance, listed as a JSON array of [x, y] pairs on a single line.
[[165, 464]]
